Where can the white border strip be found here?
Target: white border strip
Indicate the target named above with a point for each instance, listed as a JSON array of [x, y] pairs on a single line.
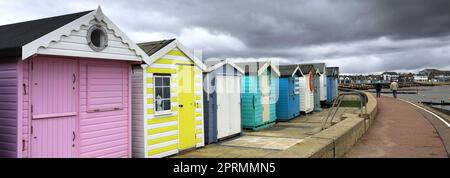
[[435, 115], [164, 134], [164, 124]]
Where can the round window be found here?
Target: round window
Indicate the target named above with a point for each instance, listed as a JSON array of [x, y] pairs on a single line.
[[97, 38]]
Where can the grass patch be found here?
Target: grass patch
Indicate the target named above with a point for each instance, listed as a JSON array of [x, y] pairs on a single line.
[[354, 103]]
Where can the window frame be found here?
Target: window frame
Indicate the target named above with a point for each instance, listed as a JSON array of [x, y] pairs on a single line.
[[162, 76], [103, 34]]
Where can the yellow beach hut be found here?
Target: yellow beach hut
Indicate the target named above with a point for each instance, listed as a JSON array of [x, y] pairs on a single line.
[[167, 100]]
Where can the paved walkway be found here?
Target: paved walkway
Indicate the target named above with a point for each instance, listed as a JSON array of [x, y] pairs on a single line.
[[282, 140], [400, 130]]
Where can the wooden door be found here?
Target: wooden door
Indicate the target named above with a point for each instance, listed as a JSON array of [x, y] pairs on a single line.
[[186, 113], [234, 84], [54, 108], [228, 105], [223, 106]]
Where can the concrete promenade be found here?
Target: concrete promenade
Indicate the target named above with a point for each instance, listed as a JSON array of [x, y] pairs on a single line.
[[402, 130], [284, 140]]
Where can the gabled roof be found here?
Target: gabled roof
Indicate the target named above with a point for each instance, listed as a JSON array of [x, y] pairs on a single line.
[[154, 46], [219, 63], [24, 39], [259, 65], [14, 36], [290, 70], [250, 67], [305, 68], [212, 62], [332, 71], [158, 49], [318, 67]]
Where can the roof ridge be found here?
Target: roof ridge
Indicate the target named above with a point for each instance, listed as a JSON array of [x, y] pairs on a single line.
[[46, 18]]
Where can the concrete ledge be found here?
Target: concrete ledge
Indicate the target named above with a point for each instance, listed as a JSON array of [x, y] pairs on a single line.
[[342, 135], [308, 148], [372, 109]]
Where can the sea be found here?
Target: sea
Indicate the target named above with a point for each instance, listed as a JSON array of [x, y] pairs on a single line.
[[434, 94]]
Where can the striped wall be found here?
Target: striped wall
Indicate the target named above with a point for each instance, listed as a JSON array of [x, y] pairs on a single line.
[[198, 86], [161, 133]]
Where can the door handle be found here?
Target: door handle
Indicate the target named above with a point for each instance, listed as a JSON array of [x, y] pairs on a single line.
[[73, 136], [180, 105], [74, 78]]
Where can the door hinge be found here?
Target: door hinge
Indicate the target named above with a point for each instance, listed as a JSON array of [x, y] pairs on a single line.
[[31, 130], [31, 108]]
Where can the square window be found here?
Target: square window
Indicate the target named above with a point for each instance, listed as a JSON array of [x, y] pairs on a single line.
[[162, 93]]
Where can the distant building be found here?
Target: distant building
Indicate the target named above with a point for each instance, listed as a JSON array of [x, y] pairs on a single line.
[[406, 77], [441, 76], [436, 75], [344, 79], [420, 78], [427, 72], [390, 76]]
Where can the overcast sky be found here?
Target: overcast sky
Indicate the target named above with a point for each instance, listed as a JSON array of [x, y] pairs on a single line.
[[360, 36]]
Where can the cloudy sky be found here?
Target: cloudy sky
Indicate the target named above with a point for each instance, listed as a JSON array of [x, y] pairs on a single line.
[[360, 36]]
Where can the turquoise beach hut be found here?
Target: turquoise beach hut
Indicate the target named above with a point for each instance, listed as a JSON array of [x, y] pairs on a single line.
[[259, 93]]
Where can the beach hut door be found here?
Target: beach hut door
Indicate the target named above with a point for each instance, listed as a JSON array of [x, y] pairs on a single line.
[[186, 107], [228, 106], [265, 87], [54, 108]]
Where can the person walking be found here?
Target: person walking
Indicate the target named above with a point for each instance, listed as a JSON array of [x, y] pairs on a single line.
[[394, 88], [378, 89]]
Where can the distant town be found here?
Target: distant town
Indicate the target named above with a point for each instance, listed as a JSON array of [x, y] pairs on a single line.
[[425, 76]]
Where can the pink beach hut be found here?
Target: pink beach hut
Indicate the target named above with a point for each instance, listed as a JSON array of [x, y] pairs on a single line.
[[65, 87]]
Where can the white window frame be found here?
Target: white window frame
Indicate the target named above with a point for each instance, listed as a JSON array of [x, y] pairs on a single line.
[[163, 112]]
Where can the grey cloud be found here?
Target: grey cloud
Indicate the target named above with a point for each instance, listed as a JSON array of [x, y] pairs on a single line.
[[344, 32]]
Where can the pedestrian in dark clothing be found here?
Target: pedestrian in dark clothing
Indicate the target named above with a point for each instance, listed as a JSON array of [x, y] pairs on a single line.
[[378, 89]]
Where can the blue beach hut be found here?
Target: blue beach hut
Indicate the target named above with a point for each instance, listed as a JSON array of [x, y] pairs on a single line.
[[288, 105], [332, 83]]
